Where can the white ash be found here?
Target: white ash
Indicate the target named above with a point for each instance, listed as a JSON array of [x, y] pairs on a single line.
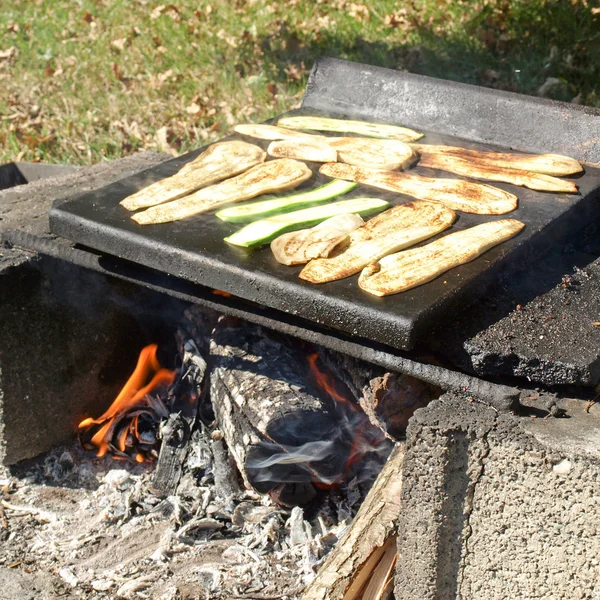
[[92, 529]]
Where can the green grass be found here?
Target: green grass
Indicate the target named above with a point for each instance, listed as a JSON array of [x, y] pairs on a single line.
[[93, 80]]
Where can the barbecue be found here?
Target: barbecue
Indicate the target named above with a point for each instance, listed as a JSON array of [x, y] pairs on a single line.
[[269, 403]]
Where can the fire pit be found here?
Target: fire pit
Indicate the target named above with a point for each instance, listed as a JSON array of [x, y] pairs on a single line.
[[267, 393]]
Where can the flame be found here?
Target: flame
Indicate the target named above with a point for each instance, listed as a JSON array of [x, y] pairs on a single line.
[[362, 438], [131, 402]]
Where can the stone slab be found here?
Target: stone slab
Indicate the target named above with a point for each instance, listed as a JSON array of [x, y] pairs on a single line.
[[538, 322]]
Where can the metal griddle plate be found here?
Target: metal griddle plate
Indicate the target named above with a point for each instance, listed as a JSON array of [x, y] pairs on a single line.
[[194, 249]]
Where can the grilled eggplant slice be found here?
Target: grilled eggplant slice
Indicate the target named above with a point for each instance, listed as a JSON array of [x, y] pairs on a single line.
[[217, 162], [408, 269], [272, 132], [265, 230], [272, 176], [377, 154], [547, 164], [390, 231], [303, 149], [472, 168], [377, 130], [298, 247], [456, 194]]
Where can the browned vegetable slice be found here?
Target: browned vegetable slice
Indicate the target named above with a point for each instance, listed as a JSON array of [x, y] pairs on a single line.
[[298, 247], [456, 194], [272, 176], [272, 132], [408, 269], [217, 162], [547, 164], [399, 227], [373, 153], [311, 150], [376, 130], [472, 168]]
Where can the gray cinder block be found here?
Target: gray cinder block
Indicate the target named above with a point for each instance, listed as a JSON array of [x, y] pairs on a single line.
[[499, 506]]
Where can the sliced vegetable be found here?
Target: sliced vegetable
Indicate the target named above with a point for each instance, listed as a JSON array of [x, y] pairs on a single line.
[[310, 150], [377, 154], [274, 206], [395, 229], [271, 132], [547, 164], [272, 176], [408, 269], [378, 130], [265, 230], [471, 168], [298, 247], [217, 162], [456, 194]]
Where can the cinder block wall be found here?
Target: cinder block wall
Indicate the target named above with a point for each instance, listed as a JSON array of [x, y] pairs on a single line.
[[497, 506], [69, 339]]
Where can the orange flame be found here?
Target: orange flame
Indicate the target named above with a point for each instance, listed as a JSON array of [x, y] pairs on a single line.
[[147, 376], [360, 440]]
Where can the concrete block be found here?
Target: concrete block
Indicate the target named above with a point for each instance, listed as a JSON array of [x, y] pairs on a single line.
[[500, 506]]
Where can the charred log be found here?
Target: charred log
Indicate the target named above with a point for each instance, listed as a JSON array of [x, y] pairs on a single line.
[[389, 399], [177, 429], [363, 558], [284, 433]]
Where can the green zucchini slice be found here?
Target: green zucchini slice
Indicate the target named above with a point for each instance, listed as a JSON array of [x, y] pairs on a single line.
[[265, 230], [266, 208]]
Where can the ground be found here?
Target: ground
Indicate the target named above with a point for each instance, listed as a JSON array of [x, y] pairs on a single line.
[[99, 79]]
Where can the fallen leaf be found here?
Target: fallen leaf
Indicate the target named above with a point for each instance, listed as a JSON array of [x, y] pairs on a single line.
[[596, 323], [49, 70], [295, 72], [117, 71], [192, 109], [157, 11], [88, 17], [596, 11], [360, 12], [8, 53], [161, 138], [397, 19], [119, 44]]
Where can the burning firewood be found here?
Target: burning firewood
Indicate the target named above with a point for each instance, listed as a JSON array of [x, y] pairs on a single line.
[[128, 428], [289, 430], [361, 564], [177, 429]]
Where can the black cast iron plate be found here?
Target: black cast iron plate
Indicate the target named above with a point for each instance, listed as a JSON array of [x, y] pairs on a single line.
[[194, 249]]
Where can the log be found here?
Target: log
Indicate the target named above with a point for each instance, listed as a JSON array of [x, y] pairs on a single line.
[[389, 399], [349, 568], [177, 430], [280, 429]]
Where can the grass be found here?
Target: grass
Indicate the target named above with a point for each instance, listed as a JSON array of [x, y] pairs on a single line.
[[90, 80]]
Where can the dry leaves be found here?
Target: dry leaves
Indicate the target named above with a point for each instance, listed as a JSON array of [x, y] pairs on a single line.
[[360, 12], [192, 109], [397, 19], [119, 44], [166, 9], [161, 138], [8, 54]]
